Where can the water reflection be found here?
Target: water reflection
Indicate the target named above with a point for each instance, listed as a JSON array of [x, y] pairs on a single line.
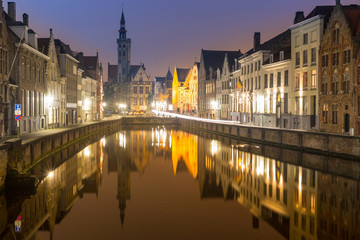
[[60, 187], [298, 202]]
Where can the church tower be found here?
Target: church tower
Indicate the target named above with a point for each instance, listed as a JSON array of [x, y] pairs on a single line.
[[124, 53]]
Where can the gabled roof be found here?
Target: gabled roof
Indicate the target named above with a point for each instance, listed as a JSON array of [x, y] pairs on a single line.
[[182, 74], [210, 189], [276, 44], [64, 48], [352, 12], [215, 59], [169, 76], [160, 80], [320, 10], [43, 45], [133, 70], [112, 71], [90, 62]]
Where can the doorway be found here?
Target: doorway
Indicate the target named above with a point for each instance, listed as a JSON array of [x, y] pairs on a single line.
[[347, 122]]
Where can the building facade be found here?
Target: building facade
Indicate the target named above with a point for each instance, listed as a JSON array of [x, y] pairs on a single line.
[[68, 68], [210, 62], [141, 89], [306, 37], [29, 74], [337, 86], [55, 85]]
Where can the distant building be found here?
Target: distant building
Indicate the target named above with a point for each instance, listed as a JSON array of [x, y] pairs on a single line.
[[185, 90], [223, 86], [141, 89], [180, 75], [93, 70], [168, 86], [130, 79], [210, 63]]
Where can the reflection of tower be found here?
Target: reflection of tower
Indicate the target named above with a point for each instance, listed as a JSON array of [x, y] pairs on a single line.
[[123, 184]]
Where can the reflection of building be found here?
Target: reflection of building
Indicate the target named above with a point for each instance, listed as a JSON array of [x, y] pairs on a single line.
[[279, 193], [184, 151], [338, 208], [128, 152], [123, 193]]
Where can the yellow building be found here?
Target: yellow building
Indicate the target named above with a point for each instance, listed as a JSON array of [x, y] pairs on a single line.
[[184, 90]]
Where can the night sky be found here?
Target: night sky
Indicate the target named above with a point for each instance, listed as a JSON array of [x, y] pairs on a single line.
[[164, 33]]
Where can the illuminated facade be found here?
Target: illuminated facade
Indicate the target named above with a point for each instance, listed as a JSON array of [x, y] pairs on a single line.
[[306, 37], [55, 86], [337, 85], [184, 90], [141, 86]]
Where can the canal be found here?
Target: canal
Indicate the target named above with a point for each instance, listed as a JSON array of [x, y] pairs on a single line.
[[160, 183]]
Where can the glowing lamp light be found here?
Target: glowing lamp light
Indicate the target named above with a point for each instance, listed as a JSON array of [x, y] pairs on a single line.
[[87, 152], [104, 104], [87, 102], [49, 99], [51, 174]]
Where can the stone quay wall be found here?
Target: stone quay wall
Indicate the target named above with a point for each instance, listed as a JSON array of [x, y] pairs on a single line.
[[18, 156], [312, 142]]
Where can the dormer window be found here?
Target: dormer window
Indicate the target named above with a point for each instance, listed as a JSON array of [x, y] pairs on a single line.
[[271, 58], [281, 55]]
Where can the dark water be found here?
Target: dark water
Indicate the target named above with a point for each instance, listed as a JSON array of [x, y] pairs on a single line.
[[169, 184]]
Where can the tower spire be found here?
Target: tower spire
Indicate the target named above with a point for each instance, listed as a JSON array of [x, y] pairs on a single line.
[[122, 30], [122, 21]]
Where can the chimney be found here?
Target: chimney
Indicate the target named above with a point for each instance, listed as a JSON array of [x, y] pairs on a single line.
[[256, 40], [80, 57], [299, 17], [12, 10], [26, 19]]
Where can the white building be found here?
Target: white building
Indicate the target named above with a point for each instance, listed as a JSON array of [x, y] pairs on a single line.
[[305, 44]]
